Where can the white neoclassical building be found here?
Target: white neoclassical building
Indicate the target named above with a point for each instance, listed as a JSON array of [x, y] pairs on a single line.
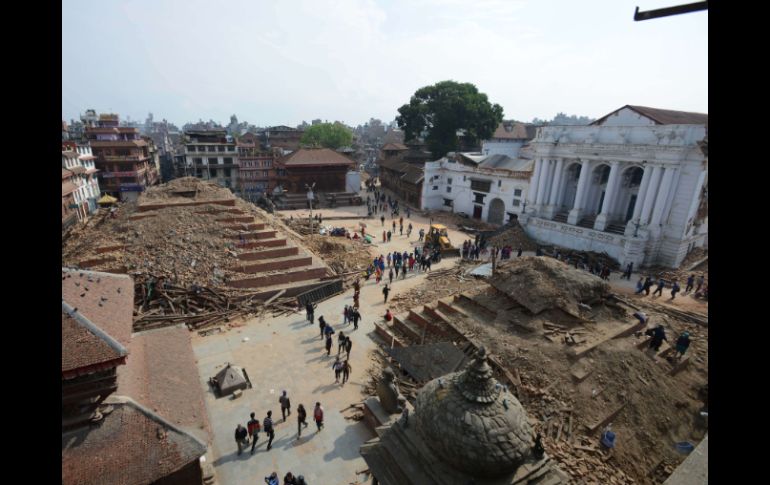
[[632, 184]]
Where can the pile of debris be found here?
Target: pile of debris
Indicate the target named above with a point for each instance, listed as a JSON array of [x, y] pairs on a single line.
[[341, 254], [183, 190], [160, 304], [589, 258], [512, 235], [540, 284]]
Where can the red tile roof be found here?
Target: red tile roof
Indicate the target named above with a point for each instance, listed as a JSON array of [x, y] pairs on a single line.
[[130, 446], [316, 156], [84, 344], [161, 373], [108, 301]]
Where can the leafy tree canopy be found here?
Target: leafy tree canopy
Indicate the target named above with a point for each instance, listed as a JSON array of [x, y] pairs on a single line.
[[439, 111], [328, 135]]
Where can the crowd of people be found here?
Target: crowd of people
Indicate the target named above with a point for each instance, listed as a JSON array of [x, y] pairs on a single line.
[[646, 284]]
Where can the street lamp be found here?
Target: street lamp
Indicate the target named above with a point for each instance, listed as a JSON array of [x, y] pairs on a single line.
[[310, 197]]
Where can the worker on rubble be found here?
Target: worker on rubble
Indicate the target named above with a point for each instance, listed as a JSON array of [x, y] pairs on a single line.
[[658, 336], [682, 344], [675, 289]]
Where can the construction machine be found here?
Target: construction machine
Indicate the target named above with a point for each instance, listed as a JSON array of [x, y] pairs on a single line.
[[438, 238]]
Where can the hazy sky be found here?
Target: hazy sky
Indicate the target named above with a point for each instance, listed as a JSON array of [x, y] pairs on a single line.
[[284, 61]]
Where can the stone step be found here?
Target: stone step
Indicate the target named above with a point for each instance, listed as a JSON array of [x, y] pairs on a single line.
[[407, 328], [243, 226], [274, 264], [253, 235], [269, 253], [302, 274], [450, 309], [263, 243], [465, 301]]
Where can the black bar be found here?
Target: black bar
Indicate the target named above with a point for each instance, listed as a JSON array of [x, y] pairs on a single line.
[[666, 12]]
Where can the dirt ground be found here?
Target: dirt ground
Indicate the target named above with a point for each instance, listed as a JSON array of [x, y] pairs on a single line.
[[661, 410]]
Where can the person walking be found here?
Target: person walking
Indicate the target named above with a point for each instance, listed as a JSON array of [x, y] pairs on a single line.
[[390, 234], [390, 276], [322, 325], [422, 235], [301, 419], [408, 213], [348, 346], [241, 437], [647, 286], [659, 289], [700, 284], [394, 225], [356, 317], [389, 259], [253, 427], [690, 284], [272, 479], [382, 219], [675, 288], [345, 314], [409, 230], [518, 253], [341, 342], [386, 291], [267, 425], [329, 344], [310, 309], [346, 368], [401, 230], [640, 285], [337, 366], [285, 405], [318, 416]]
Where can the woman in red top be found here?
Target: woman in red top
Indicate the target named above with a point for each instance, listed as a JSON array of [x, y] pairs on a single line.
[[318, 415]]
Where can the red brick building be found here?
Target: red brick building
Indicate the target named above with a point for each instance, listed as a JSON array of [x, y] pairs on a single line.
[[122, 157], [283, 137], [257, 172], [322, 166]]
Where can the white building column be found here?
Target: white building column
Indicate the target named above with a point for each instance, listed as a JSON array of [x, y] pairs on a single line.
[[649, 197], [642, 193], [554, 191], [660, 202], [534, 182], [612, 186], [544, 169], [577, 208]]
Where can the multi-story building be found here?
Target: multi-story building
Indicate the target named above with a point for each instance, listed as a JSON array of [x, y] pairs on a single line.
[[211, 155], [488, 187], [257, 172], [632, 184], [122, 157], [80, 186], [283, 137], [324, 167]]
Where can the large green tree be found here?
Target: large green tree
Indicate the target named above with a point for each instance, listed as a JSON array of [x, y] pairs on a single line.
[[328, 135], [443, 109]]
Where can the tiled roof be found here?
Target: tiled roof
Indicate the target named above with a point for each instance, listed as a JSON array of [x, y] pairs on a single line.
[[68, 188], [394, 146], [507, 163], [65, 174], [105, 299], [664, 116], [413, 175], [84, 344], [70, 154], [316, 156], [77, 170], [161, 374], [130, 446], [118, 143]]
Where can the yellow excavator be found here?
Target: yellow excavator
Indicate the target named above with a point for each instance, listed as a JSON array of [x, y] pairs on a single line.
[[438, 238]]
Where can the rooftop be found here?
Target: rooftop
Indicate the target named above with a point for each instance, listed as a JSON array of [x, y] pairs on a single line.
[[84, 344], [161, 373], [664, 116], [105, 299], [131, 446], [316, 156]]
